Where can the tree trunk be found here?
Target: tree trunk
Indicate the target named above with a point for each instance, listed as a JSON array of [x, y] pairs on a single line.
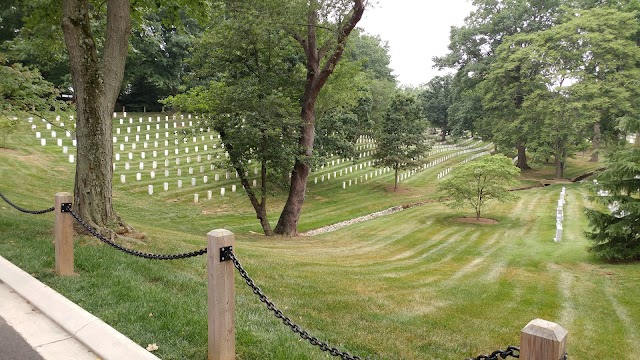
[[288, 221], [559, 168], [595, 144], [96, 85], [259, 207], [477, 214], [522, 158], [395, 187], [316, 78], [443, 135]]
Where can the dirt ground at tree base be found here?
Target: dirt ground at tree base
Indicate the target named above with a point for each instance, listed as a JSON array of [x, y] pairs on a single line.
[[472, 220]]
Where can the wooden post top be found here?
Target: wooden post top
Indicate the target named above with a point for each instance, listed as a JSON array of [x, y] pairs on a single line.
[[545, 329], [543, 340]]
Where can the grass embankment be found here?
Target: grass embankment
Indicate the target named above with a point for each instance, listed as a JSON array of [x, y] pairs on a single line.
[[413, 285]]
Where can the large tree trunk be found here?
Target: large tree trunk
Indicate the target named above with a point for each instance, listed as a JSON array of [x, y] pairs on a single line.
[[316, 78], [288, 221], [96, 85], [443, 135], [522, 158], [595, 144]]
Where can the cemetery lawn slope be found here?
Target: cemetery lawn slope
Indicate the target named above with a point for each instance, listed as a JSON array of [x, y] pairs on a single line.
[[412, 285]]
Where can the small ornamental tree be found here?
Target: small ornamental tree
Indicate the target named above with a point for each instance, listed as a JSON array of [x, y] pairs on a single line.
[[616, 229], [475, 183], [401, 143]]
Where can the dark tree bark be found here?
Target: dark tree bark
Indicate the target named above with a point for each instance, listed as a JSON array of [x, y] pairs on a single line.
[[260, 207], [395, 185], [96, 81], [522, 158], [316, 78], [595, 143]]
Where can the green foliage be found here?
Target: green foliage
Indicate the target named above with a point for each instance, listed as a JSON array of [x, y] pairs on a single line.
[[616, 233], [402, 143], [436, 100], [23, 90], [156, 61], [473, 51], [478, 181], [558, 82]]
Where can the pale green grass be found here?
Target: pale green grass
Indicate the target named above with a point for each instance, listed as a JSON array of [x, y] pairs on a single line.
[[414, 285]]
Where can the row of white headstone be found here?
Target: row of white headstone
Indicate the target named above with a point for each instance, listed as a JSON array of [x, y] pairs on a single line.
[[364, 177], [152, 174], [59, 141], [560, 215], [441, 160], [446, 171], [195, 197], [148, 137], [166, 118]]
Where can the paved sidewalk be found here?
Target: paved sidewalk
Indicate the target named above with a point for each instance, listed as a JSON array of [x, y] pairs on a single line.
[[27, 334], [52, 326], [14, 347]]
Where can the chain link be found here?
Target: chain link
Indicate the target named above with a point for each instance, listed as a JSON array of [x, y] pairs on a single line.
[[34, 212], [512, 351], [135, 252], [285, 320]]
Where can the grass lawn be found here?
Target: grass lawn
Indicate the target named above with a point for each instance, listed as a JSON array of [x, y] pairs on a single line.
[[413, 285]]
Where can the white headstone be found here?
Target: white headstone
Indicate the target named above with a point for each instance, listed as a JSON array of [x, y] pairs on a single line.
[[71, 158], [150, 189], [138, 176], [221, 191], [166, 186], [123, 179]]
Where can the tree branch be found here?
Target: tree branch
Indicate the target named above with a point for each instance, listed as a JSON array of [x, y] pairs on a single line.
[[343, 34]]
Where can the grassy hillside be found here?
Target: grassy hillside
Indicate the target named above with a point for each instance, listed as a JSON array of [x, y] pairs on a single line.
[[417, 284]]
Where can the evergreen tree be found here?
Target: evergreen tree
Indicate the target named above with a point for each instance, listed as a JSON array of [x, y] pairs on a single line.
[[616, 223]]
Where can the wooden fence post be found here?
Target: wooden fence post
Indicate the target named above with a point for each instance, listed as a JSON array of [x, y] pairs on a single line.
[[543, 340], [63, 236], [221, 297]]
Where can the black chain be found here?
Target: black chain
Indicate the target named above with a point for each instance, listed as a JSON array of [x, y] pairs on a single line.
[[512, 351], [135, 252], [285, 320], [35, 212]]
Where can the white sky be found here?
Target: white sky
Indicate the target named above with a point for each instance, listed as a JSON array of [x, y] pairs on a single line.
[[416, 31]]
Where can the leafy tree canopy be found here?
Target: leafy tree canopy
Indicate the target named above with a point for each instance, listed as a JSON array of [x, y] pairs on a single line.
[[476, 182]]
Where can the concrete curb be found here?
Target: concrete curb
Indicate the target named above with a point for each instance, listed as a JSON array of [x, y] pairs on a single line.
[[94, 333]]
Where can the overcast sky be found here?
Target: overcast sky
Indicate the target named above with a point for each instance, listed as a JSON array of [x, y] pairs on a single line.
[[416, 31]]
